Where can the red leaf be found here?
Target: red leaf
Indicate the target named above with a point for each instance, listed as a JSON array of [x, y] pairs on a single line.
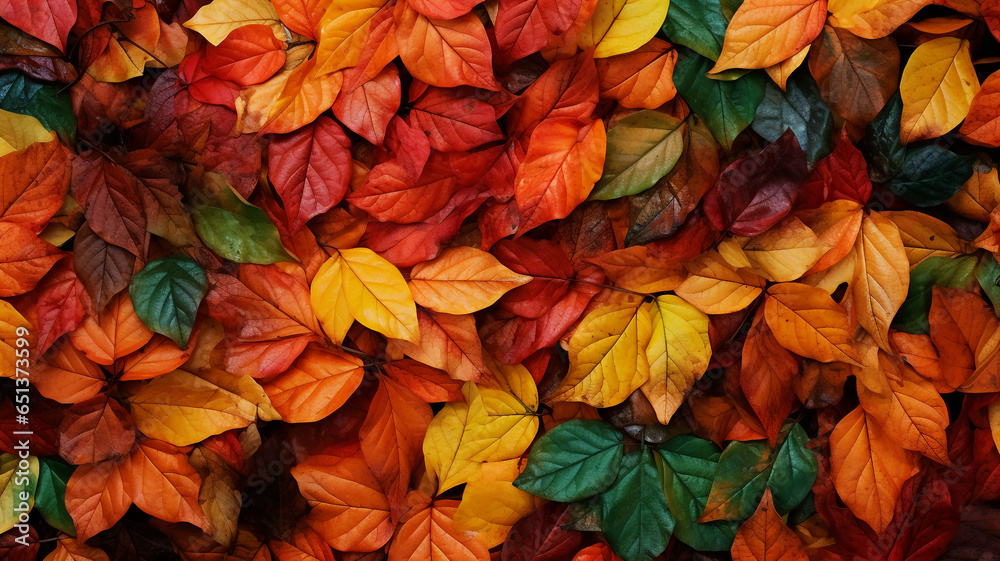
[[367, 107], [841, 175], [442, 9], [755, 192], [523, 27], [95, 430], [310, 170], [111, 205], [104, 269], [453, 120], [408, 244], [49, 20], [248, 55], [568, 88], [540, 537]]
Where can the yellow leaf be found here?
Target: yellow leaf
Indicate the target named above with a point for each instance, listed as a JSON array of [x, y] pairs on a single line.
[[343, 32], [17, 132], [925, 236], [182, 408], [873, 19], [678, 353], [714, 287], [491, 504], [492, 426], [305, 94], [978, 196], [217, 19], [358, 284], [501, 426], [10, 323], [607, 356], [622, 26], [462, 280], [781, 71], [513, 379], [14, 484], [808, 322], [763, 33], [785, 252], [937, 88], [881, 276]]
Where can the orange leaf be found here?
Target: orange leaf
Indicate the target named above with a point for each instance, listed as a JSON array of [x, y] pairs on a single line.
[[349, 508], [162, 483], [462, 280], [641, 79], [449, 342], [565, 159], [97, 497], [317, 384], [36, 181], [24, 258], [445, 53], [962, 328], [761, 33], [68, 376], [159, 356], [765, 537], [808, 322], [429, 534], [868, 468], [982, 125], [392, 436], [117, 332], [910, 410]]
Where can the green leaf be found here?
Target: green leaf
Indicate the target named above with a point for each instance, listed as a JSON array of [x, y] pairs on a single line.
[[988, 275], [234, 228], [727, 107], [642, 148], [573, 461], [687, 467], [166, 295], [800, 108], [940, 271], [747, 468], [50, 495], [794, 472], [21, 94], [931, 175], [17, 488], [698, 25], [636, 517], [883, 151]]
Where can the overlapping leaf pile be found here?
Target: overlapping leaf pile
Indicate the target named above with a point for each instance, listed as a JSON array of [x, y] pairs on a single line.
[[516, 279]]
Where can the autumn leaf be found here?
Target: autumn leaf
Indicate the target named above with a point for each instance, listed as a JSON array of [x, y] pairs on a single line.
[[937, 88], [868, 468], [621, 26], [607, 356], [760, 35], [358, 284], [764, 536], [462, 280]]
